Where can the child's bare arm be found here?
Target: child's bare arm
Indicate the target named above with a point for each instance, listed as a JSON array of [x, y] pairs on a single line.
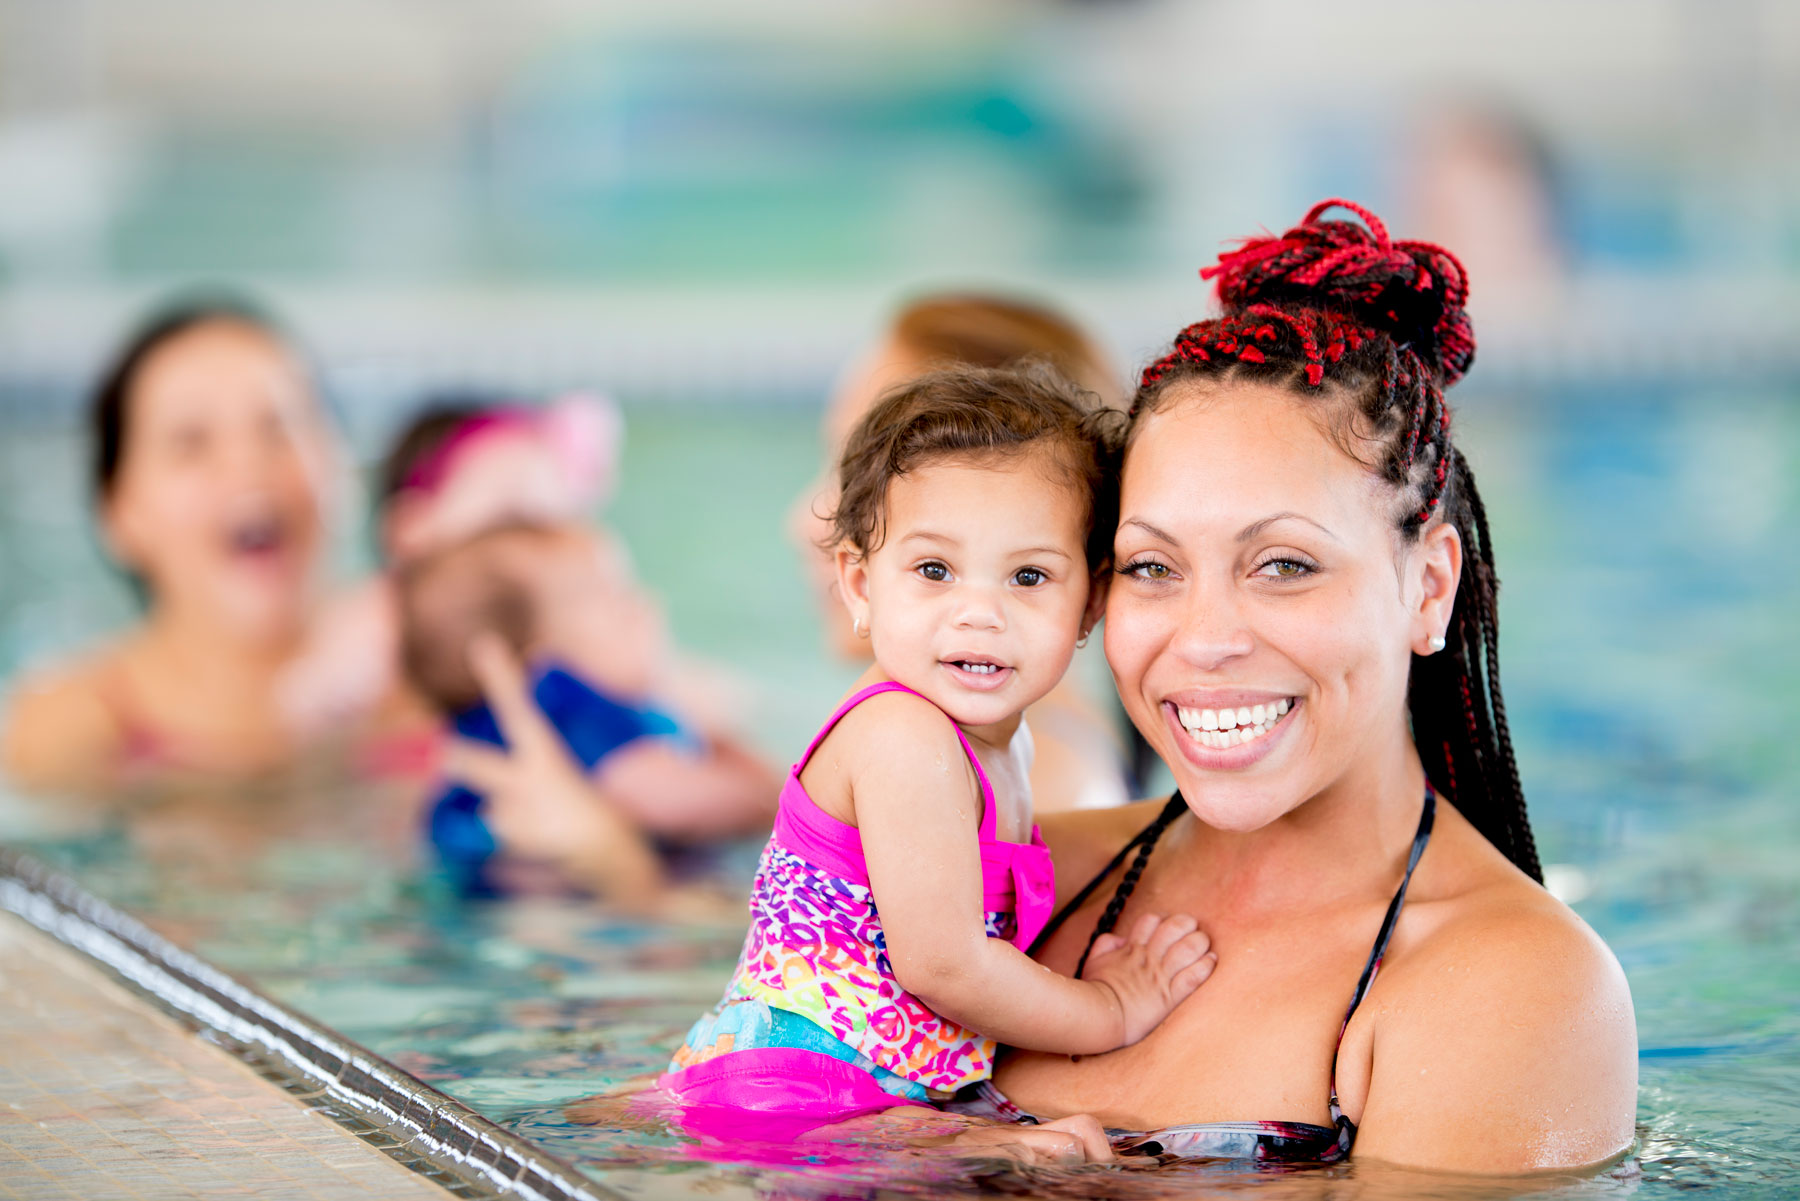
[[920, 816]]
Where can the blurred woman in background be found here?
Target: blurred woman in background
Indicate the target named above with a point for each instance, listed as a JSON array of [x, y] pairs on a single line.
[[1080, 757], [211, 459]]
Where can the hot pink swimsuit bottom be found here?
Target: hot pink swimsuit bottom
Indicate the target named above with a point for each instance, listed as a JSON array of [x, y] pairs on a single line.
[[814, 1028]]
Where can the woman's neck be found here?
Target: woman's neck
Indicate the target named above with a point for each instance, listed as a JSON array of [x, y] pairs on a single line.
[[212, 656], [1348, 840]]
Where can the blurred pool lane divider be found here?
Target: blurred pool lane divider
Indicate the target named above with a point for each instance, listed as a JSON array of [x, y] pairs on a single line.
[[373, 1099]]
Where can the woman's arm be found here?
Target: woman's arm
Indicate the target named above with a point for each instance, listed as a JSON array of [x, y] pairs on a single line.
[[920, 817], [1508, 1045]]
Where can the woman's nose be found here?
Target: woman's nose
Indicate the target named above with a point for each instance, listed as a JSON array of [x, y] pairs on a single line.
[[1213, 631]]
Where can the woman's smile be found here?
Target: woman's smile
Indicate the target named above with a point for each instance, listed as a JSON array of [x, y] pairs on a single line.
[[1231, 733]]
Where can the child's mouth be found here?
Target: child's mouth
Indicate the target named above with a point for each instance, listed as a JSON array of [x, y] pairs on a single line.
[[976, 672]]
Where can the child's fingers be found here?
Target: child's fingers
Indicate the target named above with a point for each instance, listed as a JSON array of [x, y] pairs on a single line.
[[1144, 929], [484, 768], [1088, 1134], [1194, 974], [504, 686], [1106, 944], [1185, 951], [1172, 930]]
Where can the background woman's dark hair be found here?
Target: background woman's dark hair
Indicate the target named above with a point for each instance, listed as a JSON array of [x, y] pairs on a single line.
[[109, 414], [971, 412], [1378, 329]]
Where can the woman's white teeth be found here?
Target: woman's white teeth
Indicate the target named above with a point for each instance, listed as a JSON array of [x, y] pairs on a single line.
[[1232, 727]]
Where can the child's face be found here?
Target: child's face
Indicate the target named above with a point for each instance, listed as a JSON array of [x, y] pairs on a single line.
[[595, 616], [980, 588]]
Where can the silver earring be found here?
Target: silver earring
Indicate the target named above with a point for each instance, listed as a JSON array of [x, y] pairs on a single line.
[[1081, 642], [856, 627], [1436, 643]]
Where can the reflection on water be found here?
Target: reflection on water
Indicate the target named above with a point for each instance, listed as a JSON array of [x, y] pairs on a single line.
[[1651, 670]]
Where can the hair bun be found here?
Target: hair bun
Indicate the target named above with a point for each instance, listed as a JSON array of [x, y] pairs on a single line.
[[1415, 292]]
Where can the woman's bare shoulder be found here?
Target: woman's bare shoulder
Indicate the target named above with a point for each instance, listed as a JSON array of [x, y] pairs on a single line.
[[61, 725], [1503, 1037]]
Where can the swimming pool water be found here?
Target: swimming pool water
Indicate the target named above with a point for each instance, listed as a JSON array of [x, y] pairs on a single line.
[[1650, 589]]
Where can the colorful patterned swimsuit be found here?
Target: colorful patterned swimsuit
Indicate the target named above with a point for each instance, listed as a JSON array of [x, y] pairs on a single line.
[[1285, 1142], [814, 977]]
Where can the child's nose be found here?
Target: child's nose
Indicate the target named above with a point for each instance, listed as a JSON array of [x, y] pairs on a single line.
[[980, 609]]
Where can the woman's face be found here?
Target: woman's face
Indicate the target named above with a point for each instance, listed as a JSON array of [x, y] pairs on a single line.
[[864, 382], [1265, 611], [218, 501]]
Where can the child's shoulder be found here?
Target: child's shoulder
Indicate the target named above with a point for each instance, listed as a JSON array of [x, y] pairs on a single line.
[[896, 723]]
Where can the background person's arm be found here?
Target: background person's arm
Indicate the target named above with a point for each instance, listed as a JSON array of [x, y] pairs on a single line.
[[58, 735], [1509, 1046]]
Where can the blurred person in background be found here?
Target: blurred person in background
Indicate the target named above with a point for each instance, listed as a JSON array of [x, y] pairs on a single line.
[[592, 647], [484, 520], [1080, 759], [212, 457]]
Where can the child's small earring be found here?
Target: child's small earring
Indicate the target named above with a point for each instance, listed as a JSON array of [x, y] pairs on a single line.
[[856, 627]]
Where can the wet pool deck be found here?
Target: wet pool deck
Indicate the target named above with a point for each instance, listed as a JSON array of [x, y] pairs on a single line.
[[100, 1095]]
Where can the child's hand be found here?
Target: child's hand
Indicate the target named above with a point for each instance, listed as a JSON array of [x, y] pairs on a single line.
[[1156, 969]]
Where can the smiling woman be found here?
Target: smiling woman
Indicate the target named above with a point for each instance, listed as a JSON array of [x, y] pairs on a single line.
[[211, 455], [1302, 624]]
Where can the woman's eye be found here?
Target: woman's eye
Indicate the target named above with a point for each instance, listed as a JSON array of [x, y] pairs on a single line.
[[936, 572], [1147, 569], [1028, 577], [1284, 569]]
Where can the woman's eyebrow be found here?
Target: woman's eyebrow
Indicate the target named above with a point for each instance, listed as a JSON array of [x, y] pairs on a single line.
[[1256, 527], [1159, 535]]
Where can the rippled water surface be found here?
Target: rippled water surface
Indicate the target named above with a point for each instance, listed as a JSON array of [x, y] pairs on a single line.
[[1646, 544]]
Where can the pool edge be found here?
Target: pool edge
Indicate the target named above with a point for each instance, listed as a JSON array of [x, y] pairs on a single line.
[[359, 1090]]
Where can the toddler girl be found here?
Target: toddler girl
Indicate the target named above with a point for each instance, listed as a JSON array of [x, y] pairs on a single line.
[[904, 882]]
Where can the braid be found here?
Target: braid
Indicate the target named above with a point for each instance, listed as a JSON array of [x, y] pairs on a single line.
[[1340, 310], [1147, 840]]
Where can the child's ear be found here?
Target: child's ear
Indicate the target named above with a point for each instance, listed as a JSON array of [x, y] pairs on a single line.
[[1096, 601], [853, 586]]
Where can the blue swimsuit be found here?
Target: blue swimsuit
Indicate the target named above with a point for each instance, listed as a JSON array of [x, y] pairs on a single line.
[[592, 725]]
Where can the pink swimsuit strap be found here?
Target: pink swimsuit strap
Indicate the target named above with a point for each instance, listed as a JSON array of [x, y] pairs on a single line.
[[1015, 877]]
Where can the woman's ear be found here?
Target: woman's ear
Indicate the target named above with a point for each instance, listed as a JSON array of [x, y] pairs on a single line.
[[1437, 564], [853, 586]]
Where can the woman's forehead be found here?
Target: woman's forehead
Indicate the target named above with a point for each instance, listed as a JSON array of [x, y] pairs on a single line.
[[218, 361], [1241, 449]]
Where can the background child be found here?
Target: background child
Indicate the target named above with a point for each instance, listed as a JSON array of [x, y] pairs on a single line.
[[564, 601], [904, 881]]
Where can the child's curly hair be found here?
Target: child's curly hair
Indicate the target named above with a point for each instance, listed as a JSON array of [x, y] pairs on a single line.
[[978, 413]]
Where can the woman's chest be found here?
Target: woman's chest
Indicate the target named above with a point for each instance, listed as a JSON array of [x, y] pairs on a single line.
[[1257, 1041]]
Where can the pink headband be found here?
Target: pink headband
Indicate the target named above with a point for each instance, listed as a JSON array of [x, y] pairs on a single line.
[[433, 468]]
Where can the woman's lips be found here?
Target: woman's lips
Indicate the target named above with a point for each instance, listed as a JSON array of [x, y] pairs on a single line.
[[980, 675], [1249, 733]]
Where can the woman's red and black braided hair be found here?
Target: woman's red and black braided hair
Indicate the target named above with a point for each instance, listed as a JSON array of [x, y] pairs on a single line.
[[1339, 310]]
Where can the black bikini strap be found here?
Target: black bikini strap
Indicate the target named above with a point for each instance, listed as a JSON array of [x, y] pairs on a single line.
[[1420, 838], [1143, 842]]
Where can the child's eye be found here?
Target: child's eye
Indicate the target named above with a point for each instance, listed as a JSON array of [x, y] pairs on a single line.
[[935, 572], [1028, 577], [1283, 567], [1147, 569]]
